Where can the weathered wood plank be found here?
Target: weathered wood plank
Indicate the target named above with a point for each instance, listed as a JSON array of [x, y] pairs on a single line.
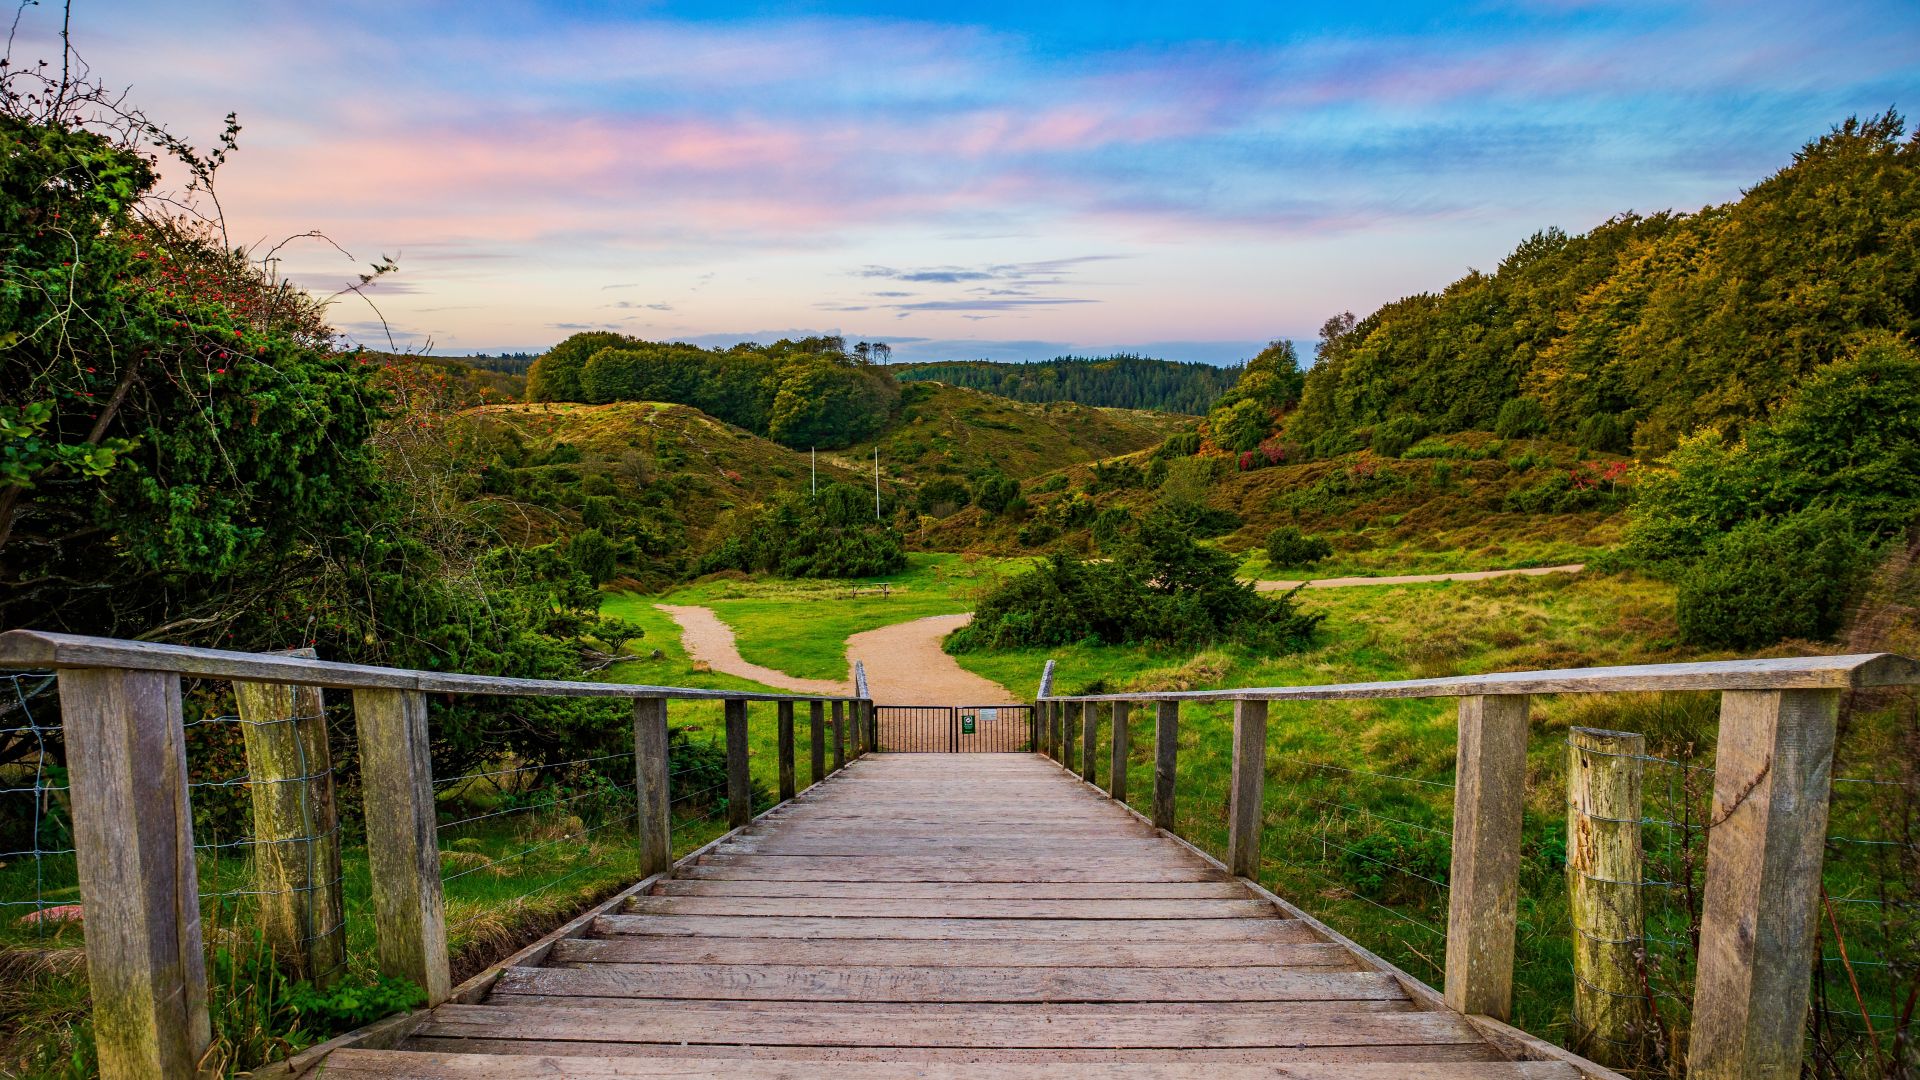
[[839, 735], [959, 890], [1247, 788], [1166, 759], [739, 782], [1611, 1014], [781, 907], [1120, 747], [296, 839], [1490, 775], [1089, 739], [1759, 917], [133, 840], [943, 953], [812, 926], [783, 720], [816, 741], [880, 1028], [403, 852], [912, 868], [653, 785], [557, 1060]]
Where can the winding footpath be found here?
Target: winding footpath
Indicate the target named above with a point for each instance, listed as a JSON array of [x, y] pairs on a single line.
[[906, 666]]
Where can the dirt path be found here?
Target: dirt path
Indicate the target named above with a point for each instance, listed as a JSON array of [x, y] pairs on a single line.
[[1417, 579], [709, 640], [905, 665]]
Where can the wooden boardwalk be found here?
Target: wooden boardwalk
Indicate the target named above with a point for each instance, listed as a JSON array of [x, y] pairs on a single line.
[[947, 916]]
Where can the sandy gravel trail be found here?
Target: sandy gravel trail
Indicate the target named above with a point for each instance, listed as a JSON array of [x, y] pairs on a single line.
[[1417, 579], [708, 639], [905, 665]]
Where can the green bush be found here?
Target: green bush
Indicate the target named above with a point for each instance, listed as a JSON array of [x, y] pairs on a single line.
[[1769, 580], [1520, 418], [1160, 587], [1394, 436], [828, 534], [1288, 546]]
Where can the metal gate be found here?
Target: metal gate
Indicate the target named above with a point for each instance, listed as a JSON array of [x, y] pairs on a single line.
[[954, 729]]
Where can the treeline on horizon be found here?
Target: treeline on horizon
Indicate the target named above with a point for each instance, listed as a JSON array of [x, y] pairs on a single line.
[[1120, 381]]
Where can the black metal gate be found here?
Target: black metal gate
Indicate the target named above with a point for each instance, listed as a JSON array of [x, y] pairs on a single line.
[[954, 729]]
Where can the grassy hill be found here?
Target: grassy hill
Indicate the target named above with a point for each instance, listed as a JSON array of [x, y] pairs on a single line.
[[945, 430], [1468, 502]]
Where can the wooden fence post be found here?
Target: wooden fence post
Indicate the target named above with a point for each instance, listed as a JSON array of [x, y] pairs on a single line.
[[784, 720], [133, 847], [739, 782], [839, 735], [1604, 873], [1490, 774], [1056, 737], [1773, 773], [653, 780], [1070, 729], [1117, 776], [1037, 719], [1244, 803], [403, 849], [816, 741], [1089, 737], [296, 835], [1166, 755]]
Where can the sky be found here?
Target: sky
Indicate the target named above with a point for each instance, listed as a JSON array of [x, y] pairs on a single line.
[[998, 180]]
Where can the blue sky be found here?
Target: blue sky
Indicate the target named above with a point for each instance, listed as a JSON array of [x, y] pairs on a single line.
[[1011, 180]]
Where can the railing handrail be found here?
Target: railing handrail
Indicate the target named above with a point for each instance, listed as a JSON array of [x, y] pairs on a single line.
[[1847, 672], [33, 649]]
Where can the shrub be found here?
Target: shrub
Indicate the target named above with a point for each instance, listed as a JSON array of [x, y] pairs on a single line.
[[1520, 418], [1161, 586], [1185, 444], [942, 496], [1392, 437], [1288, 546], [831, 534], [1768, 580], [997, 493]]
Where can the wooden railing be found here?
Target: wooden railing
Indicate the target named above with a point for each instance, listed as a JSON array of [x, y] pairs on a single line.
[[1764, 852], [121, 707]]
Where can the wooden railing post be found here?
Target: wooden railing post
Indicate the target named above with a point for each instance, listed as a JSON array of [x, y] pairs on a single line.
[[784, 720], [839, 735], [133, 846], [816, 741], [653, 784], [1489, 792], [1166, 755], [1248, 789], [873, 726], [739, 782], [403, 850], [1070, 728], [1037, 719], [1604, 874], [1773, 773], [296, 835], [1089, 737], [1056, 738], [1117, 774]]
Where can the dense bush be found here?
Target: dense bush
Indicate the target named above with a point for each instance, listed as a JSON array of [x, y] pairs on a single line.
[[831, 534], [997, 493], [1160, 587], [1395, 435], [1288, 546], [1768, 580], [1520, 418]]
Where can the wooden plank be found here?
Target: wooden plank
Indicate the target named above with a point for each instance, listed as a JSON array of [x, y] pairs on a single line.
[[1089, 739], [959, 847], [1057, 1013], [1490, 776], [1611, 1014], [816, 741], [961, 909], [960, 890], [907, 868], [772, 982], [403, 853], [739, 782], [1245, 807], [133, 841], [784, 722], [557, 1060], [653, 785], [810, 926], [880, 1028], [1166, 759], [1759, 916], [296, 839], [943, 952], [1121, 747], [839, 735]]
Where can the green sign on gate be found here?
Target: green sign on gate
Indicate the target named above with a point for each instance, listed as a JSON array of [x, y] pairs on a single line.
[[966, 723]]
